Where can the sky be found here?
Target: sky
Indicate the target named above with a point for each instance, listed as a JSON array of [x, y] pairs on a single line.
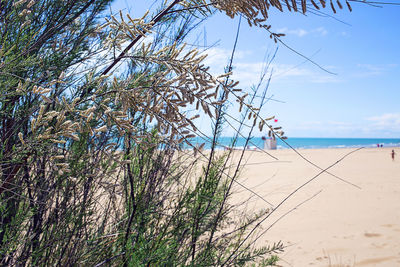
[[361, 99]]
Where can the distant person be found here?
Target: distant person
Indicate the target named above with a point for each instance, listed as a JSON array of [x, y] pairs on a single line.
[[393, 153]]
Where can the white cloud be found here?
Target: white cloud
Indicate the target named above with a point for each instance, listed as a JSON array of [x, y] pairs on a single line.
[[373, 69], [388, 121], [248, 73], [218, 58], [325, 78], [298, 32], [284, 71], [320, 31], [288, 70], [381, 126]]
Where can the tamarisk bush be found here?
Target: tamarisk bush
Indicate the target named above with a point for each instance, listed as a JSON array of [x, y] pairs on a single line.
[[92, 114]]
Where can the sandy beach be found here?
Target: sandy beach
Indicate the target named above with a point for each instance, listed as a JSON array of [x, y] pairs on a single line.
[[329, 222]]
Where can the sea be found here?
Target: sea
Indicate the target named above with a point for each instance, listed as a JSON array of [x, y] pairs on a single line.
[[302, 142]]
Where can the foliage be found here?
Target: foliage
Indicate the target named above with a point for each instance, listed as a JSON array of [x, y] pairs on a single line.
[[91, 173]]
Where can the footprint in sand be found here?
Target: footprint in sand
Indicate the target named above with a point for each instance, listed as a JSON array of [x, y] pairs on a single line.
[[372, 235], [391, 226], [379, 245], [374, 261], [321, 258]]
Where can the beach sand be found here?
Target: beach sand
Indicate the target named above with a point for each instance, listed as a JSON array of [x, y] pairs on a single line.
[[337, 224]]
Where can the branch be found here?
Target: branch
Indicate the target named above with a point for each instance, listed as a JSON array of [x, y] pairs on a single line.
[[154, 20], [55, 29]]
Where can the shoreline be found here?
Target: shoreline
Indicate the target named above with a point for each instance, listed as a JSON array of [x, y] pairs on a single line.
[[303, 143], [254, 149]]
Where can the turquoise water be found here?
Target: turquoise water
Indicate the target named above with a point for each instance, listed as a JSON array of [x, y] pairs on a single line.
[[297, 142]]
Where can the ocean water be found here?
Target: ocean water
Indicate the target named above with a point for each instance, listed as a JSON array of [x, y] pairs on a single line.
[[307, 143]]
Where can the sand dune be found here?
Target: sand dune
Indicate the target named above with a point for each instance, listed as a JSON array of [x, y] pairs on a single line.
[[342, 224]]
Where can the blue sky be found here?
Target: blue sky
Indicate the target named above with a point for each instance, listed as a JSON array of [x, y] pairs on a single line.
[[361, 100]]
